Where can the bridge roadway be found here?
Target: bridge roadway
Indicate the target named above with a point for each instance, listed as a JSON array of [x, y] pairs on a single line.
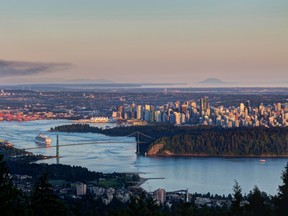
[[136, 134]]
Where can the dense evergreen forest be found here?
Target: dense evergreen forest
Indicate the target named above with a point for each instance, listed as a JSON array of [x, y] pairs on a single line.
[[205, 140], [257, 141]]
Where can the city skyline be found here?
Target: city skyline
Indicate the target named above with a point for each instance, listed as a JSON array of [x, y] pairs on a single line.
[[152, 41]]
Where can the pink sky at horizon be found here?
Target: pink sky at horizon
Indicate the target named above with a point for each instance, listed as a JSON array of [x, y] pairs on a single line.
[[151, 42]]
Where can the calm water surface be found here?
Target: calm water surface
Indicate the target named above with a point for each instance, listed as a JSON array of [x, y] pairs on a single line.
[[202, 175]]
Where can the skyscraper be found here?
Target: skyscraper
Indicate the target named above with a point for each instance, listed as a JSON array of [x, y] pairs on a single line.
[[203, 105], [247, 106], [120, 111], [139, 112], [241, 107], [206, 103]]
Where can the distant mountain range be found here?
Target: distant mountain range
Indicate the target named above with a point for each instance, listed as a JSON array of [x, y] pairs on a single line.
[[24, 81], [87, 81], [53, 83], [212, 81], [215, 82], [78, 84]]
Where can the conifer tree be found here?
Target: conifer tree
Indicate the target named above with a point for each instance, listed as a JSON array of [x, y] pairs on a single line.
[[9, 195], [281, 201], [257, 204], [237, 197], [44, 202]]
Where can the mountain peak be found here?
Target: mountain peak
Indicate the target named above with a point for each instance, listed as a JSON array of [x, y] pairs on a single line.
[[211, 81]]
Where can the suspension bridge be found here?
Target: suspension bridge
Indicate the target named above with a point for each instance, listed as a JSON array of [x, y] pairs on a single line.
[[136, 134]]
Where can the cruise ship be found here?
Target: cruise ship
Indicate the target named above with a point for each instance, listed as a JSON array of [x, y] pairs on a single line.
[[42, 140]]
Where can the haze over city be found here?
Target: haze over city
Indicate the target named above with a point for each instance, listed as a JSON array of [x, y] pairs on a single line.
[[240, 42]]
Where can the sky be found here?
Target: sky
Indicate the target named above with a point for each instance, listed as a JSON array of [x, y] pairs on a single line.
[[143, 41]]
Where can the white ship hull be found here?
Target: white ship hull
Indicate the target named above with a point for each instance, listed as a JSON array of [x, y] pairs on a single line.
[[42, 140], [96, 120]]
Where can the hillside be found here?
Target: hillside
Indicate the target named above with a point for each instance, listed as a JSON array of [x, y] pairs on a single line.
[[246, 142]]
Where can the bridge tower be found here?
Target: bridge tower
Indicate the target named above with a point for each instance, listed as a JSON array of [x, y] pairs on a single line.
[[138, 144], [57, 146]]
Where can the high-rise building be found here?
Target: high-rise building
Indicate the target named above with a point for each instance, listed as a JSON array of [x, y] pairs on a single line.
[[193, 105], [183, 118], [121, 111], [241, 107], [81, 189], [206, 103], [132, 107], [139, 112], [152, 115], [187, 117], [177, 105], [248, 106], [160, 195], [247, 103], [158, 116], [147, 115], [147, 107], [278, 106], [165, 117], [172, 118], [177, 118], [184, 108], [203, 105]]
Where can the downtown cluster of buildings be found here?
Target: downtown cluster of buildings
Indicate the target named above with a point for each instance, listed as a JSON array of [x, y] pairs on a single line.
[[202, 113]]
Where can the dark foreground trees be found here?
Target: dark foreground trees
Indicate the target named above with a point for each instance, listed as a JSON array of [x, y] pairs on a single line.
[[43, 201], [259, 204], [11, 202], [237, 198], [281, 200]]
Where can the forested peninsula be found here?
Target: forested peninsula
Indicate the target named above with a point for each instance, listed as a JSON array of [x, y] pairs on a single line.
[[169, 140]]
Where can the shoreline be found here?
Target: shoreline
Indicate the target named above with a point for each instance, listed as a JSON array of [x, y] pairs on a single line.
[[218, 156]]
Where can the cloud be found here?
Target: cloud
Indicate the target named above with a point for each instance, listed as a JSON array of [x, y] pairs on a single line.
[[18, 68]]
